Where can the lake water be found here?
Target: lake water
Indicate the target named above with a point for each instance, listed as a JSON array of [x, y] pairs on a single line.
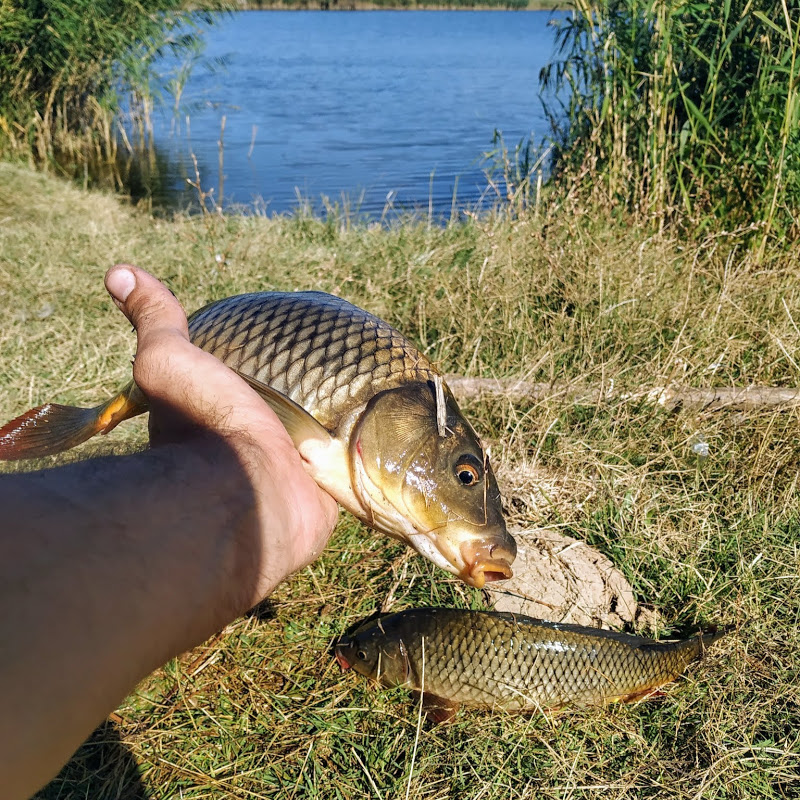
[[378, 109]]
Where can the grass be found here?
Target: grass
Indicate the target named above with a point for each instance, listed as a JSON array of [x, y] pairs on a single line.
[[78, 80], [261, 711]]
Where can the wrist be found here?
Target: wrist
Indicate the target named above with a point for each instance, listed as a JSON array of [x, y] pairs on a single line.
[[222, 547], [251, 518]]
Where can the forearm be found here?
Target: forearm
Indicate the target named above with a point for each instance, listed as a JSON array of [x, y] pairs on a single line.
[[107, 569]]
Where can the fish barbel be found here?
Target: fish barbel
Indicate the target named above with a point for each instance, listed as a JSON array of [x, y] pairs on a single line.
[[497, 660], [375, 423]]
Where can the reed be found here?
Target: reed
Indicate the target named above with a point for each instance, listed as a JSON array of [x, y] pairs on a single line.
[[683, 111], [69, 67]]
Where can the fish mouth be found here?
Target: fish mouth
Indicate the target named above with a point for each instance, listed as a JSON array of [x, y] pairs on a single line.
[[485, 562], [342, 661]]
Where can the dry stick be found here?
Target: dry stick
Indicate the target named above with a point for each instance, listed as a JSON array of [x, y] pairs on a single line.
[[671, 397]]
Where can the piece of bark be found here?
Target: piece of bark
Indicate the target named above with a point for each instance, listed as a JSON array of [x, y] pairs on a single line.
[[724, 397], [560, 579], [671, 397]]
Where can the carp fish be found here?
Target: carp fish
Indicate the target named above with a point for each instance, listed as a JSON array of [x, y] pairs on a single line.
[[498, 660], [371, 416]]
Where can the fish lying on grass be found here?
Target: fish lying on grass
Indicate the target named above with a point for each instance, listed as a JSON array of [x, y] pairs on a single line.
[[496, 660], [374, 421]]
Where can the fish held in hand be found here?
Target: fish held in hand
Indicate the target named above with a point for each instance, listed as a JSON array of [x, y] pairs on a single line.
[[496, 660], [377, 426]]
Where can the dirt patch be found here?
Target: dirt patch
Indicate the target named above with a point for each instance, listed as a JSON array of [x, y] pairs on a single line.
[[561, 579]]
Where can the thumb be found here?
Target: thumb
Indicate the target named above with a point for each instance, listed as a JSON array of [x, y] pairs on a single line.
[[151, 308], [162, 349]]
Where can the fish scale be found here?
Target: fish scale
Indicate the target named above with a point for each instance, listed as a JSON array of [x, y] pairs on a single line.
[[501, 660], [320, 351]]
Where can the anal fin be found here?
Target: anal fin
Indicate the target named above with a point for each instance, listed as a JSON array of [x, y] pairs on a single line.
[[53, 428], [653, 693], [438, 709]]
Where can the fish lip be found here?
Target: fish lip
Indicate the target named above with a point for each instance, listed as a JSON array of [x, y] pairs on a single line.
[[483, 572], [485, 563], [342, 661]]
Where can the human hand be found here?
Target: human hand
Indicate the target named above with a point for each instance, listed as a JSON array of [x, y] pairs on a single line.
[[193, 397]]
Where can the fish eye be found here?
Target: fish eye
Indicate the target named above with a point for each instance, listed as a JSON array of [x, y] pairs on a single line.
[[468, 470], [361, 655]]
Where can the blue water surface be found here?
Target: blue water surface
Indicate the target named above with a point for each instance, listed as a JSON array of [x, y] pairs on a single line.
[[376, 110]]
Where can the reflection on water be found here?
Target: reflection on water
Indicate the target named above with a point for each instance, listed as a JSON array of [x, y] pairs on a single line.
[[152, 175], [143, 173], [375, 110]]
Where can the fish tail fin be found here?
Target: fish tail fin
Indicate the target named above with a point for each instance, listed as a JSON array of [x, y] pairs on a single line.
[[708, 638], [53, 428], [694, 648]]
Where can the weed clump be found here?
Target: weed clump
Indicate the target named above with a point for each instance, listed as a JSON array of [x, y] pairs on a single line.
[[68, 66], [683, 111]]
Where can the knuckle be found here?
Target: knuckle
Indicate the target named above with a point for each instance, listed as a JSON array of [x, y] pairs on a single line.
[[150, 310], [150, 365]]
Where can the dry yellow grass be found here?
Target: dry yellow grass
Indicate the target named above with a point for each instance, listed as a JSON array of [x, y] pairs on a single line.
[[261, 711]]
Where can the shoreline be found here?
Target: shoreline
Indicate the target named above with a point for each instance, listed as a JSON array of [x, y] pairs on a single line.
[[389, 5]]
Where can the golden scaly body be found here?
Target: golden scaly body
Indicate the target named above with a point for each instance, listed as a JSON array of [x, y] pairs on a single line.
[[320, 351], [500, 660]]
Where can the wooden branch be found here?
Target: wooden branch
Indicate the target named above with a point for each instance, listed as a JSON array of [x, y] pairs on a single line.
[[671, 397]]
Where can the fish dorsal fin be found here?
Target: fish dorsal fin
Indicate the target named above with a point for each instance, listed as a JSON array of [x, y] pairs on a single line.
[[299, 424]]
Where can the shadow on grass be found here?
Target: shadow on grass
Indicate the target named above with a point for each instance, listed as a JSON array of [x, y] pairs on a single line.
[[102, 768], [263, 611]]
